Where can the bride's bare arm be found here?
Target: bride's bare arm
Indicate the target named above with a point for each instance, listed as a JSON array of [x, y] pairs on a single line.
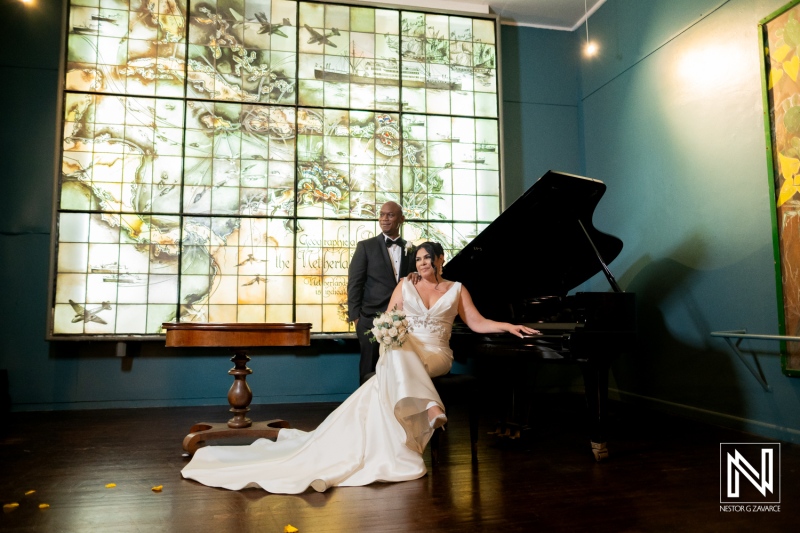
[[397, 297], [480, 324]]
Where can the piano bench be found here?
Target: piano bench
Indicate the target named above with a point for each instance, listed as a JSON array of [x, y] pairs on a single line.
[[455, 388]]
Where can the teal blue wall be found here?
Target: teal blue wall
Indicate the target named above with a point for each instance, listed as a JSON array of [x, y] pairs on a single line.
[[541, 133], [669, 116], [672, 122], [68, 375], [540, 105]]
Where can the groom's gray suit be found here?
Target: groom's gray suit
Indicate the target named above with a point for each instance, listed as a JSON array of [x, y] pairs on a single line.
[[370, 285]]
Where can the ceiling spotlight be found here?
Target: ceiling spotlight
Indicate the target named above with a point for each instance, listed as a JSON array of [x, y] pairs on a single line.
[[591, 48]]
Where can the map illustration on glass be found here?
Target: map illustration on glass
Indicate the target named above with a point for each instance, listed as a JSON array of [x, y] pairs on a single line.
[[221, 159]]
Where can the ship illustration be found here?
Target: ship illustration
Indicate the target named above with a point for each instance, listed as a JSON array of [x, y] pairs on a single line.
[[447, 138], [108, 268], [101, 18], [116, 273], [486, 148], [122, 278], [85, 29], [391, 101], [385, 74]]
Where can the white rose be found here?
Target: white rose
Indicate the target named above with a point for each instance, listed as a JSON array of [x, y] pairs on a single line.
[[405, 322], [392, 332], [376, 332], [397, 323], [387, 340]]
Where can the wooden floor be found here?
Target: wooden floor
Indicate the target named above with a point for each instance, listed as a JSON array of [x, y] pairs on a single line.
[[663, 475]]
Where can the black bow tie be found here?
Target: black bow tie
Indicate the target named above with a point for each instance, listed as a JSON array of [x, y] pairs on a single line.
[[399, 242]]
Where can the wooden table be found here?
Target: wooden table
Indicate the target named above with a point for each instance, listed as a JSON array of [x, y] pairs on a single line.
[[237, 337]]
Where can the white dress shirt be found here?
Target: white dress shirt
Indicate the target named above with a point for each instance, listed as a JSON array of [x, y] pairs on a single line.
[[396, 253]]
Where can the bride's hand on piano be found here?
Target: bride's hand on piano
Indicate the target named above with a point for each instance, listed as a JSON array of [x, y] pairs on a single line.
[[520, 330]]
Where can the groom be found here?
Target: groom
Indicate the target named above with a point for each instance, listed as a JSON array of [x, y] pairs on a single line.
[[377, 265]]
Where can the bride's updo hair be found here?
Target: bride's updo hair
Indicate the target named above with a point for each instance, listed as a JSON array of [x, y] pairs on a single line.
[[434, 249]]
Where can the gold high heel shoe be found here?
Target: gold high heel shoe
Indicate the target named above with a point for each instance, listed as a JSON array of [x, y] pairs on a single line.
[[438, 421], [600, 451]]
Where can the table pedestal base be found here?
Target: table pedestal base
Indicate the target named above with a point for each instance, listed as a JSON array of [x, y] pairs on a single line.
[[203, 432], [238, 337]]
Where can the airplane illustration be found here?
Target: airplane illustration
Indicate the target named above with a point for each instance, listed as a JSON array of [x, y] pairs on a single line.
[[267, 27], [251, 259], [321, 38], [89, 315], [256, 280]]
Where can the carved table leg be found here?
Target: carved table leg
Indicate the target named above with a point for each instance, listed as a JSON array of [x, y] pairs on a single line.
[[240, 395], [239, 398]]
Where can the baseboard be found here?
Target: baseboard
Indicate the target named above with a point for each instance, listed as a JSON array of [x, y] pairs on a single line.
[[5, 396], [183, 402], [755, 427]]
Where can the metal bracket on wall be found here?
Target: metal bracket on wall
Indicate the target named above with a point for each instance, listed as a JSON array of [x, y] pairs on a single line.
[[742, 334]]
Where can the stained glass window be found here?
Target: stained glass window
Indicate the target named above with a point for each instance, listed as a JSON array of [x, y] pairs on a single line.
[[221, 159]]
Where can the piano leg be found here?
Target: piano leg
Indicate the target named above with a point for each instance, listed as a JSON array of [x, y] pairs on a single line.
[[595, 382]]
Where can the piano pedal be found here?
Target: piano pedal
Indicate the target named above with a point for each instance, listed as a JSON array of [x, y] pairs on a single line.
[[600, 451], [501, 429], [509, 431]]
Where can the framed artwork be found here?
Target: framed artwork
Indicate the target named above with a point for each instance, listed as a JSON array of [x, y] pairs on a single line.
[[221, 159], [780, 44]]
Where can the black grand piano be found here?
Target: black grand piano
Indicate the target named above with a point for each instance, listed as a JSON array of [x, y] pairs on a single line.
[[541, 247]]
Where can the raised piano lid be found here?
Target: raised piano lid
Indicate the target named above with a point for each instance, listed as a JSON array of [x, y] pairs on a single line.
[[536, 247]]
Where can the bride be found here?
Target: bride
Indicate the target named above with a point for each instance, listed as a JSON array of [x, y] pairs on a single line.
[[381, 430]]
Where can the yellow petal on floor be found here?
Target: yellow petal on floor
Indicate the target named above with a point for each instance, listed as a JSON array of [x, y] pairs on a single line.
[[290, 529], [44, 506], [7, 508], [111, 485], [29, 492], [158, 488]]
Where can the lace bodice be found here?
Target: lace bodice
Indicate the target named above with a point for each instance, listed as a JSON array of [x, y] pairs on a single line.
[[436, 322]]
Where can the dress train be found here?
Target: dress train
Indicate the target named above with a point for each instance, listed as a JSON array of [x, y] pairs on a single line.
[[377, 434]]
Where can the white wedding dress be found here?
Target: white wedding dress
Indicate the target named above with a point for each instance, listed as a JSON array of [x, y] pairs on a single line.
[[377, 434]]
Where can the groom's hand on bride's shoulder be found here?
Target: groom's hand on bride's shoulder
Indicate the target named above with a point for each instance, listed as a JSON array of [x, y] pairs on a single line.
[[414, 277]]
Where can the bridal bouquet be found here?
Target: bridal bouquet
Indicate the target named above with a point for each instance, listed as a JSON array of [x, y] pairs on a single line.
[[390, 328]]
